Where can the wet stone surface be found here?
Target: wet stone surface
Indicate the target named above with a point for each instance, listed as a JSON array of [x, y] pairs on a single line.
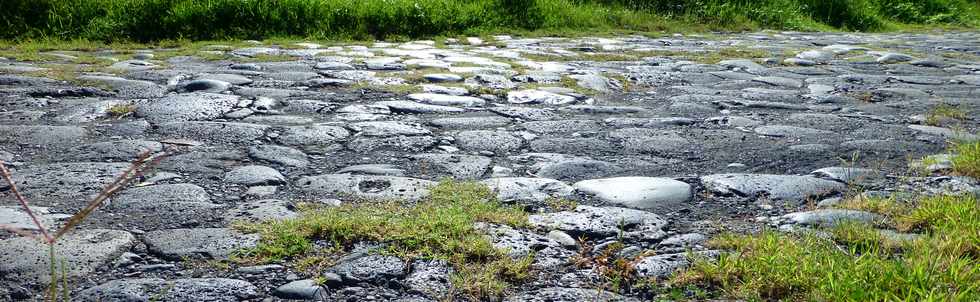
[[658, 152]]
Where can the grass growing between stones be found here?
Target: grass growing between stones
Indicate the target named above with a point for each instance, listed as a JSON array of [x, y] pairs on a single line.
[[856, 262], [966, 158], [438, 227]]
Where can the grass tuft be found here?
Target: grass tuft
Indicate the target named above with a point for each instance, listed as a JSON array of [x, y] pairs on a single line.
[[439, 227], [966, 158], [856, 262]]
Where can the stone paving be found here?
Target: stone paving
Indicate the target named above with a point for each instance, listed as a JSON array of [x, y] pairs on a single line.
[[662, 142]]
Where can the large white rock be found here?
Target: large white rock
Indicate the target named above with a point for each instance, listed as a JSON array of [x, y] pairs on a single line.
[[637, 192]]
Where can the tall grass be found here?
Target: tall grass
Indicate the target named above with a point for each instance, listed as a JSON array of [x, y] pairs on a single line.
[[150, 20]]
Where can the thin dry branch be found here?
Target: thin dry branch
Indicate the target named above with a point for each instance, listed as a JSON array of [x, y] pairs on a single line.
[[136, 168], [23, 203]]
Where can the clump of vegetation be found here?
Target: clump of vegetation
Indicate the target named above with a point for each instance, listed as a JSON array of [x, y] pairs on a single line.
[[943, 113], [966, 158], [857, 262], [438, 227], [153, 20], [121, 110]]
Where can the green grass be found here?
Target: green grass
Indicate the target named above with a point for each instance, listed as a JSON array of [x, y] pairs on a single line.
[[966, 158], [857, 262], [439, 227], [944, 112], [155, 20]]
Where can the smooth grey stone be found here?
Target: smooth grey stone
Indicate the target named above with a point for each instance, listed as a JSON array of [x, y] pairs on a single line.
[[742, 63], [597, 82], [333, 66], [260, 269], [279, 120], [663, 194], [261, 210], [133, 65], [254, 175], [491, 81], [576, 169], [44, 136], [592, 109], [891, 58], [306, 289], [554, 294], [363, 186], [830, 217], [520, 243], [145, 197], [649, 140], [221, 132], [538, 97], [573, 145], [393, 143], [69, 184], [684, 240], [205, 85], [229, 78], [312, 135], [16, 218], [413, 107], [799, 62], [487, 140], [479, 122], [459, 166], [563, 238], [429, 88], [256, 51], [774, 187], [526, 113], [82, 251], [207, 243], [122, 150], [967, 79], [447, 100], [511, 189], [373, 169], [442, 77], [790, 131], [125, 88], [944, 132], [816, 56], [927, 63], [155, 289], [780, 81], [388, 128], [848, 174], [370, 268], [561, 126], [601, 222], [285, 156], [656, 122]]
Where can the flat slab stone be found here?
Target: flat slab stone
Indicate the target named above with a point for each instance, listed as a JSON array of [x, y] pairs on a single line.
[[255, 175], [447, 100], [459, 166], [178, 290], [538, 97], [363, 186], [388, 128], [602, 222], [510, 189], [775, 187], [74, 183], [207, 243], [44, 136], [638, 192], [84, 252], [830, 217], [220, 132], [485, 140], [313, 135]]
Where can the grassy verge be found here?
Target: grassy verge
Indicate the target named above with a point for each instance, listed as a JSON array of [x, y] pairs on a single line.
[[857, 262], [153, 20], [966, 158], [439, 227]]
